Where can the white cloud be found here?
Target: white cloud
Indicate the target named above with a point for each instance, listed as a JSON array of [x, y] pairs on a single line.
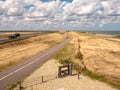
[[56, 13]]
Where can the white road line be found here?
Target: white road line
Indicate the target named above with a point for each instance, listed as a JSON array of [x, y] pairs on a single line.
[[6, 76], [28, 64], [19, 69]]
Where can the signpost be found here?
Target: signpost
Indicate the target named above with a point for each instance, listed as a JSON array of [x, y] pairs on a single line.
[[65, 70]]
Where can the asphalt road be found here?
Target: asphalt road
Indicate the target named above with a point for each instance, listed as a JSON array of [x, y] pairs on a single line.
[[22, 36], [19, 71]]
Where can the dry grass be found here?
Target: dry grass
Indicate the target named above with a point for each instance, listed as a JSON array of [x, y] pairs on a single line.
[[15, 52], [66, 53], [6, 34], [67, 83], [101, 56]]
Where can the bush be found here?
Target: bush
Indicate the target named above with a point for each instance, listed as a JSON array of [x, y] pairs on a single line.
[[65, 62], [79, 56]]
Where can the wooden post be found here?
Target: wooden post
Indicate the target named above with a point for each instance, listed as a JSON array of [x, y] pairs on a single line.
[[56, 77], [20, 86], [71, 67], [42, 79], [68, 68], [78, 75]]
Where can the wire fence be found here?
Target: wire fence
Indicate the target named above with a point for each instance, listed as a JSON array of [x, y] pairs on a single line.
[[30, 83], [22, 85]]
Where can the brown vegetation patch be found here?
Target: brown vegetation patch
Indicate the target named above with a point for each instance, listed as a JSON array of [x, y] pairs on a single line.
[[17, 51]]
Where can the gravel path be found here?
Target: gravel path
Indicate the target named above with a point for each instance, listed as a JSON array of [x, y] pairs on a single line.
[[66, 83]]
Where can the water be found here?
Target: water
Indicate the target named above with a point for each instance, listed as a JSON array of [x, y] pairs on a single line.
[[114, 33]]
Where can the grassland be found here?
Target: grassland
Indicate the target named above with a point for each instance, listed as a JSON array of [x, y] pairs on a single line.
[[14, 52], [117, 36], [65, 53], [101, 57]]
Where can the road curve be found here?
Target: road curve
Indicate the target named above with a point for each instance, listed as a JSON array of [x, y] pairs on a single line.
[[19, 71]]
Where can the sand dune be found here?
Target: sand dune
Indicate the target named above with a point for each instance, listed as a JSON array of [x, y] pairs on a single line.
[[101, 56]]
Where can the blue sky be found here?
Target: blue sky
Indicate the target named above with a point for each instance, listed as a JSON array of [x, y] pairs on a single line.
[[59, 15]]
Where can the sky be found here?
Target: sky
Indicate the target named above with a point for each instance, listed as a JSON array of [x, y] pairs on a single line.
[[60, 15]]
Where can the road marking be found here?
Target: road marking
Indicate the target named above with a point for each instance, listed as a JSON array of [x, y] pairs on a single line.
[[29, 63], [6, 76], [26, 65], [19, 69]]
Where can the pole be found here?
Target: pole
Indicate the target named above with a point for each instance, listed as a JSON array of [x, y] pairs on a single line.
[[42, 80], [78, 75]]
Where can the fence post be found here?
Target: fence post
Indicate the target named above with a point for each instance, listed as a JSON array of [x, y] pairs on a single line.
[[20, 86], [78, 75], [56, 77], [42, 79]]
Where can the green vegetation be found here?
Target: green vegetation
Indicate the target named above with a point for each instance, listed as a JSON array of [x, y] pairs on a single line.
[[98, 77], [66, 61], [11, 87], [79, 56], [95, 76], [65, 53], [51, 43], [64, 56], [78, 68], [117, 36], [86, 33]]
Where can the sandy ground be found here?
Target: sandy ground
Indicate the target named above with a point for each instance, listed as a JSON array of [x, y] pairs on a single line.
[[15, 52], [66, 83]]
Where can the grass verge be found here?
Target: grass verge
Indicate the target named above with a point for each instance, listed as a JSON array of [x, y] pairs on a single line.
[[51, 43], [2, 67], [101, 78], [11, 87], [12, 40], [117, 37], [66, 53]]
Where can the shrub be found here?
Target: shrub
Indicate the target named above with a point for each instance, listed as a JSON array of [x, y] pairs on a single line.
[[66, 61], [79, 56]]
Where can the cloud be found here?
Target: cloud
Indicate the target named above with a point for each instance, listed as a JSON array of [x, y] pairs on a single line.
[[53, 14]]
